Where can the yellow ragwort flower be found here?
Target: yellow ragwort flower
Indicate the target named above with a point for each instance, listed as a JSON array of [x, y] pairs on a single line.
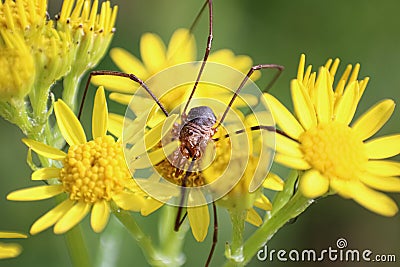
[[335, 153], [10, 250], [93, 175]]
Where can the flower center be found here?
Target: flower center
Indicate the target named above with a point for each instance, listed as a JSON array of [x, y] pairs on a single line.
[[334, 150], [95, 170]]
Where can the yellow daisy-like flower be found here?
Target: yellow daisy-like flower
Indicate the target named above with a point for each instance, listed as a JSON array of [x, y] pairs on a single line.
[[92, 177], [156, 57], [10, 250], [334, 152]]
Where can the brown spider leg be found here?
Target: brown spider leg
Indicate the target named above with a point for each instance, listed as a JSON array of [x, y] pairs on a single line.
[[252, 69], [215, 235], [120, 74], [207, 52], [178, 220], [255, 128], [196, 20]]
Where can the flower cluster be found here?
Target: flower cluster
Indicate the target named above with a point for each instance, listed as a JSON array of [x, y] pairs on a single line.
[[36, 51]]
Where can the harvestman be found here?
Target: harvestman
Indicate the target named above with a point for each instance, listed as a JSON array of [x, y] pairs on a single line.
[[197, 125]]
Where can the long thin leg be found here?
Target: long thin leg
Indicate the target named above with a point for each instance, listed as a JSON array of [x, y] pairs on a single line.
[[207, 52], [120, 74], [215, 235], [255, 128], [196, 20], [178, 220], [252, 69]]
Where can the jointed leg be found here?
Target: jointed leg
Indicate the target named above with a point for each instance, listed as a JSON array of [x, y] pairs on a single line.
[[252, 69], [208, 48], [120, 74]]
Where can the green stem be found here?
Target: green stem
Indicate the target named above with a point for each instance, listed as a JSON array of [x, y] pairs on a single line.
[[171, 242], [76, 248], [282, 197], [262, 235], [153, 257], [71, 84], [110, 246], [235, 254]]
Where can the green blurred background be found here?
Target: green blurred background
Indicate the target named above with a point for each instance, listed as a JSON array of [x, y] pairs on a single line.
[[361, 31]]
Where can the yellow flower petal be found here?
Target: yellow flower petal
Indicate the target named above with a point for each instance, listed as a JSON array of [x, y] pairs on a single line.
[[128, 201], [100, 215], [355, 72], [383, 147], [253, 217], [153, 52], [263, 203], [286, 121], [342, 187], [292, 162], [12, 235], [69, 125], [45, 173], [383, 167], [199, 219], [36, 193], [273, 182], [116, 83], [51, 217], [243, 63], [382, 183], [303, 105], [181, 47], [141, 105], [373, 120], [44, 150], [323, 94], [225, 56], [115, 124], [127, 62], [99, 117], [154, 157], [334, 67], [313, 184], [72, 217], [373, 200], [150, 205], [123, 99], [287, 146], [154, 136], [346, 107], [300, 69], [9, 250]]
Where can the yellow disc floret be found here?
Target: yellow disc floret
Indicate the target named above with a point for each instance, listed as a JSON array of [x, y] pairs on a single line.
[[334, 150], [95, 170]]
